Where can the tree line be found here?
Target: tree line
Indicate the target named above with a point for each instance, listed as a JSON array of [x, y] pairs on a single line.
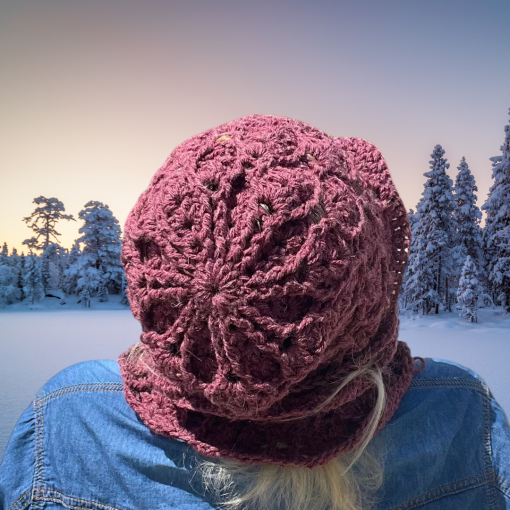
[[452, 260], [91, 267]]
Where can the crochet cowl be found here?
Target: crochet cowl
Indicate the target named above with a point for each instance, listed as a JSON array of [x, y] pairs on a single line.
[[264, 262]]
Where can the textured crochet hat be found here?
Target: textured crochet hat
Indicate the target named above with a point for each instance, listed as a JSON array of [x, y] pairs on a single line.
[[264, 263]]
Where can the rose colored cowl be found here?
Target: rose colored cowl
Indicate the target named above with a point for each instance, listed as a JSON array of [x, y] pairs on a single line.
[[264, 262]]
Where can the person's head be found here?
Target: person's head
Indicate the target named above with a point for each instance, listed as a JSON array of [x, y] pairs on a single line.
[[264, 263]]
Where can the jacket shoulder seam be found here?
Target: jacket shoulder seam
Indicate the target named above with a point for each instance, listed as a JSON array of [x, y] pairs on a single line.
[[449, 382], [77, 388], [54, 496]]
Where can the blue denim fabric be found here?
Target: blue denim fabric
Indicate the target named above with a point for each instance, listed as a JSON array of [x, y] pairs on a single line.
[[80, 445]]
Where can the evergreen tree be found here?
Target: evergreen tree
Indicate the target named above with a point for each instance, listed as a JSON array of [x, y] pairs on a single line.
[[413, 218], [469, 290], [430, 265], [405, 288], [48, 214], [71, 270], [89, 278], [4, 255], [489, 249], [85, 297], [15, 261], [496, 232], [33, 287], [467, 217], [420, 280], [9, 291], [101, 238], [21, 274], [51, 266], [102, 291], [61, 262]]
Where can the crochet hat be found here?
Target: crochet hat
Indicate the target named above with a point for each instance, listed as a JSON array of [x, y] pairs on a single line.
[[264, 262]]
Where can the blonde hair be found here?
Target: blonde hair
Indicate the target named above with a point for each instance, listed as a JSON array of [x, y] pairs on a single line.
[[347, 482]]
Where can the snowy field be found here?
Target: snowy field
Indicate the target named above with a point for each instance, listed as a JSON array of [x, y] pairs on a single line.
[[36, 344]]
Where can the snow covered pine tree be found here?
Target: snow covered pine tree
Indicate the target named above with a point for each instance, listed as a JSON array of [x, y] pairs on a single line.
[[33, 288], [4, 254], [100, 257], [102, 291], [430, 264], [467, 216], [404, 297], [496, 232], [70, 271], [21, 273], [85, 297], [49, 213], [9, 291], [50, 267], [18, 263], [469, 290]]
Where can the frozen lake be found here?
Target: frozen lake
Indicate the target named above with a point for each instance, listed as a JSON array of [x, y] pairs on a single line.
[[38, 344]]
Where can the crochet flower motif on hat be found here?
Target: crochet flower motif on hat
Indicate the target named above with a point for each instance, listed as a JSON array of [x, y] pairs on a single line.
[[264, 263]]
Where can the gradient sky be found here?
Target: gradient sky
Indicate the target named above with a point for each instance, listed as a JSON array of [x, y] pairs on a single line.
[[95, 94]]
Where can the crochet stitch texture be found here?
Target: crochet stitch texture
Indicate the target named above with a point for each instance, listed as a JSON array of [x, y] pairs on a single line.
[[264, 263]]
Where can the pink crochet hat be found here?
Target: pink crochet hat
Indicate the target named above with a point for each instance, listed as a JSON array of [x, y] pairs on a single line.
[[264, 262]]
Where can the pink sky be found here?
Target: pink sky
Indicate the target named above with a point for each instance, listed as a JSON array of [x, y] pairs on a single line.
[[95, 94]]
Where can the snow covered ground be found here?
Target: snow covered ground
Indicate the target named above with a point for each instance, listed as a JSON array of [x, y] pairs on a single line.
[[484, 347], [38, 343]]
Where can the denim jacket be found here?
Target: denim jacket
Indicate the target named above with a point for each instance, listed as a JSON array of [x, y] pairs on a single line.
[[80, 445]]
